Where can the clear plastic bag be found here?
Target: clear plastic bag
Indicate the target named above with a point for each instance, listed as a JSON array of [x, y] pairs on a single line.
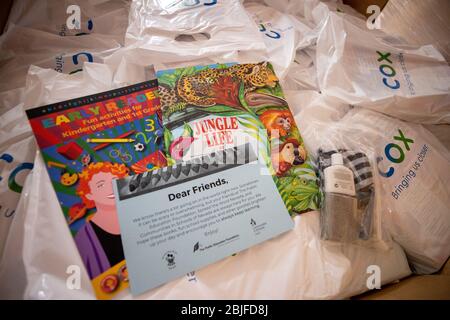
[[347, 217], [410, 173]]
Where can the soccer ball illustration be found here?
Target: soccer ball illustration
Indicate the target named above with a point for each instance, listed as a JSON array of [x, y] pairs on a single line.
[[139, 147]]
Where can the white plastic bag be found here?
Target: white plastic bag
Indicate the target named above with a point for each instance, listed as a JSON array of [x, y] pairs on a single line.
[[106, 17], [416, 212], [415, 169], [317, 12], [45, 86], [441, 132], [20, 47], [319, 119], [17, 149], [129, 64], [366, 68], [291, 34], [191, 28], [40, 249], [10, 98], [312, 13], [302, 74], [282, 34]]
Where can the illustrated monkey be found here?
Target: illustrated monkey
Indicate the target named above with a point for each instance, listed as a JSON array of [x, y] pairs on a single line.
[[280, 120]]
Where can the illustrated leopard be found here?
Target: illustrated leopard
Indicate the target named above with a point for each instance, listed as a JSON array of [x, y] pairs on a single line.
[[195, 89]]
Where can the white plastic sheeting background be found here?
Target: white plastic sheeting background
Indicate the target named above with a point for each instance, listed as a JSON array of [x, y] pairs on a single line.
[[38, 247]]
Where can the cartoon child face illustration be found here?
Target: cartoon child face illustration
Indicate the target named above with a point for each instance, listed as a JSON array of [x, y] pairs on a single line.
[[95, 187], [101, 191], [93, 238]]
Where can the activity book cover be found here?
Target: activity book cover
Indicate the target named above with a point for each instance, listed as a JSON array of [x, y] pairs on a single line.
[[86, 143], [215, 107]]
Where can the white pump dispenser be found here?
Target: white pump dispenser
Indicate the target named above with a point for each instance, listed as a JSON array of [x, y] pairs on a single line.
[[339, 178]]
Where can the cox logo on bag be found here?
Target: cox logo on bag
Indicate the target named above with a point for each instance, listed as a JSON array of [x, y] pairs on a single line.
[[395, 153], [269, 33], [387, 71], [12, 181], [193, 3], [76, 60]]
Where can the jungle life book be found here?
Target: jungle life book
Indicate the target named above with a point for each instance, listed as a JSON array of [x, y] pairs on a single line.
[[211, 108]]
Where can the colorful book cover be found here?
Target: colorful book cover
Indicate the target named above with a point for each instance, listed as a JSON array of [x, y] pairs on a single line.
[[209, 108], [86, 143]]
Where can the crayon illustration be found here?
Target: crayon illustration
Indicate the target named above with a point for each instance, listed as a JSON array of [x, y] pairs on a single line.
[[109, 140]]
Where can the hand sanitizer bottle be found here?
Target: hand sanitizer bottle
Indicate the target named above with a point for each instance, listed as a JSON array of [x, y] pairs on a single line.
[[339, 212], [339, 178]]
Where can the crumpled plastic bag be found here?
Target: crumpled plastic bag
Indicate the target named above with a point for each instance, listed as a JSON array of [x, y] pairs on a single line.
[[411, 181], [302, 74], [45, 86], [17, 150], [319, 119], [36, 34], [368, 68], [131, 62], [105, 17], [21, 47], [10, 98], [312, 13], [417, 194], [191, 28], [441, 132], [282, 34], [294, 57]]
